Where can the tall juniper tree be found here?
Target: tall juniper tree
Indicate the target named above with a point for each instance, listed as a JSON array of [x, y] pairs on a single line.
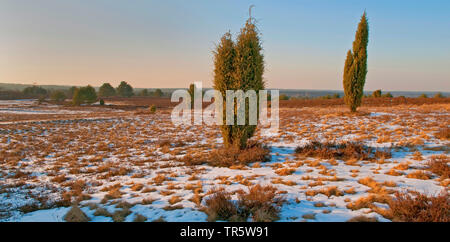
[[224, 57], [355, 68], [239, 66]]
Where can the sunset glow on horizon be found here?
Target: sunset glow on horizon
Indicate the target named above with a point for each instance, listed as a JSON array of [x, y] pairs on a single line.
[[169, 44]]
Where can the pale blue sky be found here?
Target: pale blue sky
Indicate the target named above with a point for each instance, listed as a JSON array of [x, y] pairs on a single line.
[[169, 43]]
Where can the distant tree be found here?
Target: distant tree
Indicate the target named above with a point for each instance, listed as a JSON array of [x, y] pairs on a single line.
[[35, 91], [106, 90], [158, 93], [71, 92], [152, 109], [438, 95], [423, 95], [84, 95], [355, 68], [125, 89], [58, 96], [389, 95], [144, 93], [77, 98], [284, 97], [336, 96], [102, 102], [376, 93]]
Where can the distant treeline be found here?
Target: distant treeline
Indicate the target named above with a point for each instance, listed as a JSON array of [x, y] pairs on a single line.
[[21, 91], [60, 93], [328, 94]]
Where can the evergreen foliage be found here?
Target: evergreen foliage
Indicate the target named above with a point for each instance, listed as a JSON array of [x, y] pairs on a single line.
[[106, 90], [124, 89], [355, 68], [239, 66]]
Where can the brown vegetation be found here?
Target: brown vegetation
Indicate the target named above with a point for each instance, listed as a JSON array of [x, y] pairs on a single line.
[[76, 215], [344, 151], [420, 208], [262, 203]]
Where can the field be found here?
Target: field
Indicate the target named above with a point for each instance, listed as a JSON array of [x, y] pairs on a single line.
[[119, 162]]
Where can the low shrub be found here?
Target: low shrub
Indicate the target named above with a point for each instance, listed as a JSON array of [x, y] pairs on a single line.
[[219, 205], [362, 218], [439, 165], [443, 133], [233, 156], [420, 207], [76, 215], [261, 203], [343, 151]]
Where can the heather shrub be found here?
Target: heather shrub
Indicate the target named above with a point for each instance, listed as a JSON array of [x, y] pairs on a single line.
[[261, 203], [443, 133], [227, 157], [76, 215], [219, 206], [420, 208], [439, 165], [343, 151]]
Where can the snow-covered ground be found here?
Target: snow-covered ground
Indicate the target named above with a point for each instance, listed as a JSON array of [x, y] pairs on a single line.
[[121, 159]]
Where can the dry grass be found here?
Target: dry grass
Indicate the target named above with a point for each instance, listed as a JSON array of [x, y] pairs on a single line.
[[367, 202], [443, 133], [420, 208], [76, 215], [376, 187], [121, 214], [59, 179], [285, 171], [219, 206], [319, 205], [309, 216], [147, 201], [284, 182], [159, 179], [81, 158], [393, 172], [102, 212], [229, 157], [192, 160], [173, 207], [139, 218], [422, 175], [350, 191], [439, 166], [347, 151], [362, 218], [261, 203], [175, 199], [331, 191]]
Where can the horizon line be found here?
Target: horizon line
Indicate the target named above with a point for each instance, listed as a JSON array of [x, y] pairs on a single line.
[[268, 88]]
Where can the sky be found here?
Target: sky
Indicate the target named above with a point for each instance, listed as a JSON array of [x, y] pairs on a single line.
[[169, 44]]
